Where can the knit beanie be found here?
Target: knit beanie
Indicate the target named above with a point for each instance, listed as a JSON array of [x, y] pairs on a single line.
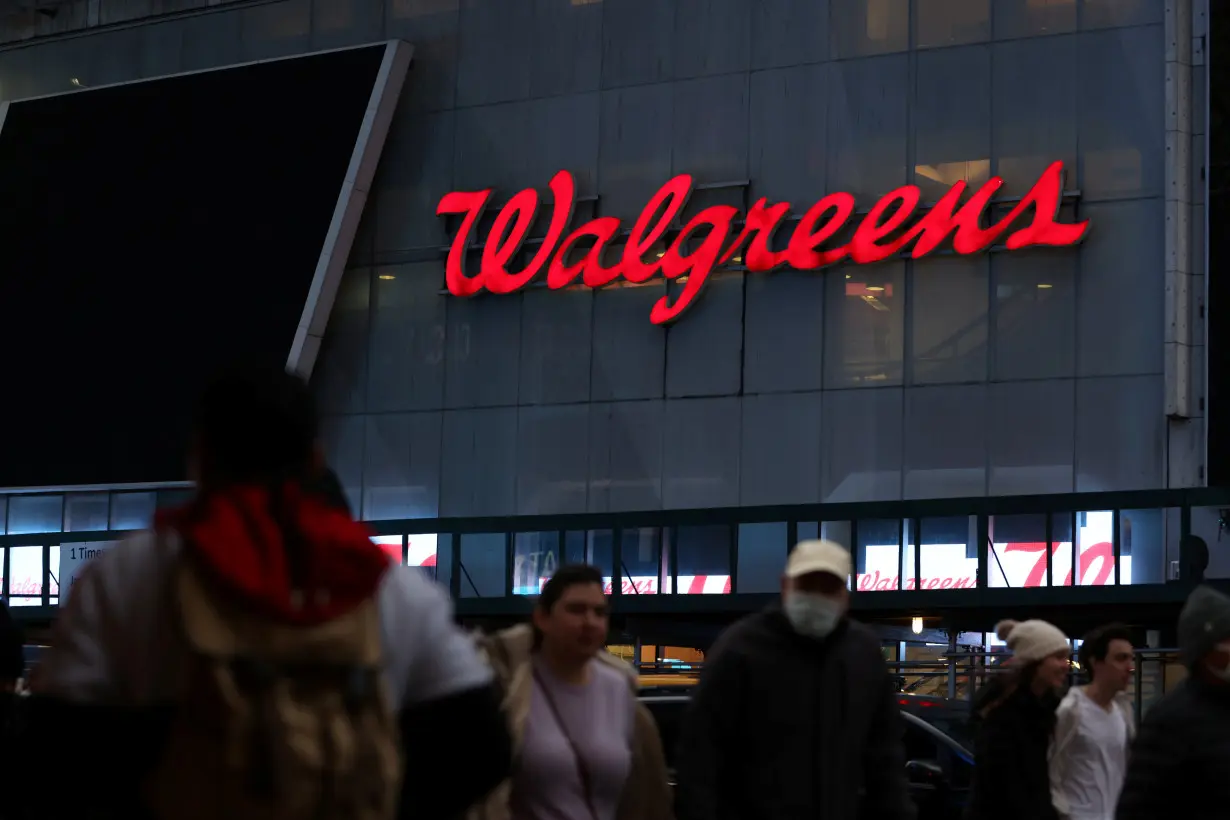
[[1203, 623], [1031, 641]]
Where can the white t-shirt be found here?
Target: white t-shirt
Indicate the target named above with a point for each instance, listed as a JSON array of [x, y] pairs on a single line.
[[1089, 756], [115, 640]]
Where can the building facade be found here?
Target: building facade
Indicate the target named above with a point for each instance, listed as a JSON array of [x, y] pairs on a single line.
[[913, 408]]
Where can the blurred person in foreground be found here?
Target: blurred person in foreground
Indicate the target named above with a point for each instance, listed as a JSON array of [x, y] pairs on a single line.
[[1180, 763], [256, 655], [795, 714], [1094, 726], [586, 749], [1014, 720]]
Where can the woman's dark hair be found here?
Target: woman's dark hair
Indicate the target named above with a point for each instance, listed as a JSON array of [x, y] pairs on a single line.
[[564, 578], [255, 423], [1096, 646]]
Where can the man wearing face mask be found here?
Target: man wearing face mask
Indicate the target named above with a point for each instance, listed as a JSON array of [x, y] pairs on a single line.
[[1179, 765], [795, 714]]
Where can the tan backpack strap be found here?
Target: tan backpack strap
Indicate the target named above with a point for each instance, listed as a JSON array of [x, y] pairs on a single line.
[[219, 628]]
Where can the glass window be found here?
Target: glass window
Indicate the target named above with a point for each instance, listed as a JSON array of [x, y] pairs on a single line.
[[86, 511], [35, 513], [442, 563], [1209, 524], [168, 499], [761, 556], [877, 561], [391, 544], [948, 553], [1095, 545], [484, 565], [536, 556], [4, 514], [576, 549], [26, 572], [948, 315], [861, 27], [702, 560], [951, 22], [1063, 554], [1017, 556], [864, 326], [421, 551], [1143, 540], [132, 511], [599, 551], [642, 561]]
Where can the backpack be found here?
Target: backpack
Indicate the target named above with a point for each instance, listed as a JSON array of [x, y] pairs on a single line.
[[276, 722]]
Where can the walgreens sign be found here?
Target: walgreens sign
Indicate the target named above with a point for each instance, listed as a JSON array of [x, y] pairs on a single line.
[[896, 224]]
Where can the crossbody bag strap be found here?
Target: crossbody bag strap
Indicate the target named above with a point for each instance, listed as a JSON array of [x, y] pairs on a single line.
[[583, 772]]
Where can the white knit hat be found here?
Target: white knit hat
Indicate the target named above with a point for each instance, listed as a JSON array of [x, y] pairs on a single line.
[[1031, 641]]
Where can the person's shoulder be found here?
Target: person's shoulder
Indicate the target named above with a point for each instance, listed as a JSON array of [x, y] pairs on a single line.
[[614, 674], [406, 592], [114, 572], [744, 635], [1179, 705]]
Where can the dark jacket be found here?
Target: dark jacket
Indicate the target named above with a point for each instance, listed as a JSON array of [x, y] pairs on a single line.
[[784, 727], [1013, 730], [1180, 764]]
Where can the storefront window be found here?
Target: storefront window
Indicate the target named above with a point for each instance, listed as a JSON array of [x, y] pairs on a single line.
[[536, 556], [35, 513], [702, 560], [641, 562], [878, 557], [86, 511], [391, 544], [761, 557], [1095, 546], [26, 576], [132, 511], [484, 565], [442, 560], [948, 554], [1019, 548], [599, 551], [421, 552], [1210, 524]]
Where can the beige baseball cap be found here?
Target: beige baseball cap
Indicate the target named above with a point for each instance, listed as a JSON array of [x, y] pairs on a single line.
[[818, 556]]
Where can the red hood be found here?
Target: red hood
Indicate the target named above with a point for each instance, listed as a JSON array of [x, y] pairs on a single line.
[[241, 544]]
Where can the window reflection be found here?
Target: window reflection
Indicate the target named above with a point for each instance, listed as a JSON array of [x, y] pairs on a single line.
[[536, 556], [642, 562], [761, 556], [484, 565], [35, 513], [702, 560], [864, 326], [879, 556]]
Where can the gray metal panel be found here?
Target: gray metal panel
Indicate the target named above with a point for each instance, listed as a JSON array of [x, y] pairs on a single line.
[[552, 461], [634, 158], [789, 134], [781, 449], [712, 37], [789, 32], [407, 342], [945, 434], [1119, 434], [556, 337], [350, 203], [479, 462], [862, 454], [704, 354], [783, 332], [1121, 290], [695, 472], [1031, 437]]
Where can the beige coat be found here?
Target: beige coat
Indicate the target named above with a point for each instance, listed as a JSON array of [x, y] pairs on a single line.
[[647, 794]]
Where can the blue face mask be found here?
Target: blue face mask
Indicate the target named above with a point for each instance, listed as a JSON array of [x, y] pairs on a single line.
[[811, 614]]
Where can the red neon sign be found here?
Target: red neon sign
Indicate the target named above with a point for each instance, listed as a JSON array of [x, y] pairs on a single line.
[[705, 240]]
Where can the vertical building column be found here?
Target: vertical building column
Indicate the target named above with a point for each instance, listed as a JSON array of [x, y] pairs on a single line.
[[1184, 347]]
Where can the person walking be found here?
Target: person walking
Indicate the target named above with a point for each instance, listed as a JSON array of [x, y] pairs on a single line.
[[1014, 718], [1179, 765], [1093, 729], [586, 749], [257, 653], [795, 713]]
